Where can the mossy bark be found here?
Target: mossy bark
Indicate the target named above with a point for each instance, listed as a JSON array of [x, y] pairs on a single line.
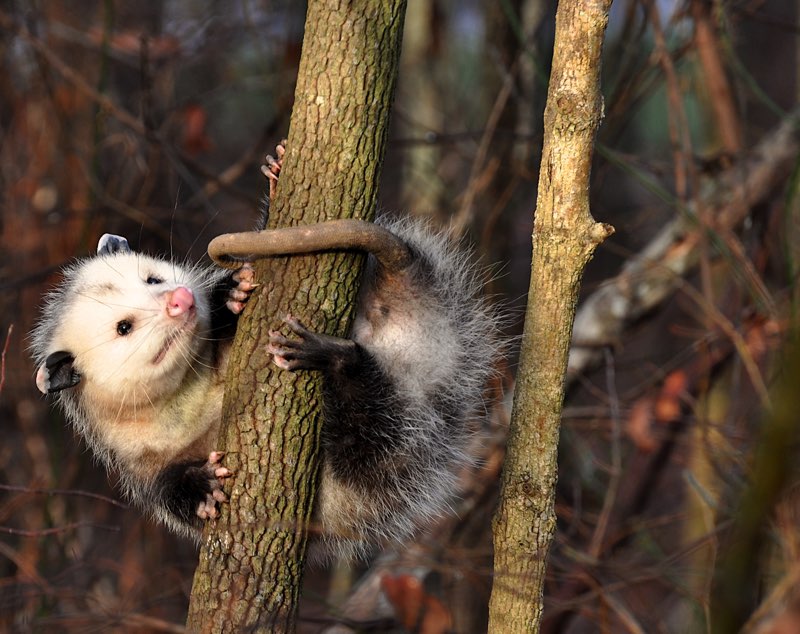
[[250, 567], [564, 239]]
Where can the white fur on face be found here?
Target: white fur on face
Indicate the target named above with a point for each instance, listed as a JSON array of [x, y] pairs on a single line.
[[127, 347]]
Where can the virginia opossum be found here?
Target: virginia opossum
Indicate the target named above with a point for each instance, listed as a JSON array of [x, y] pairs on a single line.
[[135, 349]]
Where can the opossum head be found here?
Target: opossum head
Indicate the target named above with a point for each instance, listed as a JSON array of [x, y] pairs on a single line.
[[123, 328]]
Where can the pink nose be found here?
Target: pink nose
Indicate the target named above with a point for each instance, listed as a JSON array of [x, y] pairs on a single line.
[[179, 301]]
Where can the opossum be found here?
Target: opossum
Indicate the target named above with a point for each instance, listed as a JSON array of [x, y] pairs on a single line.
[[135, 349]]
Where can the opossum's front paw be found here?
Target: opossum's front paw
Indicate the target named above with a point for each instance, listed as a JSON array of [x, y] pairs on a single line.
[[244, 284], [309, 351], [272, 167], [193, 489], [214, 474]]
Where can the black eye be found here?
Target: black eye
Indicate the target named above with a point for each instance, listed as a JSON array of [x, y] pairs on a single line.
[[124, 327], [154, 279]]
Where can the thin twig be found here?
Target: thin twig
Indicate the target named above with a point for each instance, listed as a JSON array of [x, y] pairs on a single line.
[[39, 491], [721, 98], [676, 119], [3, 357], [463, 218], [44, 532], [736, 338], [615, 472]]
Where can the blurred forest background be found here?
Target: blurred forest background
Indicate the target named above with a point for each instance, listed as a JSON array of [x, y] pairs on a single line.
[[150, 120]]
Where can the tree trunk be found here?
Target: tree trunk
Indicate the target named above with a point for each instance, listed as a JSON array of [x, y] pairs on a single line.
[[564, 238], [250, 567]]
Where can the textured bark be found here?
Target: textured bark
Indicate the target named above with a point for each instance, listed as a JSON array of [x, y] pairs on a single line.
[[251, 561], [564, 238]]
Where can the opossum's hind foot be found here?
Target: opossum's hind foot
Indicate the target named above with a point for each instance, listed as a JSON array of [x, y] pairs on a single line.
[[309, 350], [244, 284], [215, 474], [272, 167]]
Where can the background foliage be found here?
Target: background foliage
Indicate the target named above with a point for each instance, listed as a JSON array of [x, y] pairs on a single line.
[[150, 120]]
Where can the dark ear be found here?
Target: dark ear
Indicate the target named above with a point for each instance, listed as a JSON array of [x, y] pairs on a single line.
[[57, 373], [110, 243]]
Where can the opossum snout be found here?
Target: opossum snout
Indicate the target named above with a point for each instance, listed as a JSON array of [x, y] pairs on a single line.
[[180, 301]]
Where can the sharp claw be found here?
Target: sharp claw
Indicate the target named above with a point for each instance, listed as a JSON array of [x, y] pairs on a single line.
[[222, 472], [246, 287], [295, 324], [219, 496]]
